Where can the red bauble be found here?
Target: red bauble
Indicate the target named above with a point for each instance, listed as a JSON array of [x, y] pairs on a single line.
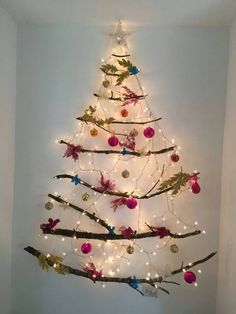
[[124, 113], [195, 187], [149, 132], [131, 203], [189, 277], [113, 141], [174, 157], [86, 247], [193, 182]]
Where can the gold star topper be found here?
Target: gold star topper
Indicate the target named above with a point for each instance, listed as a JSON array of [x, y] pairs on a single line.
[[119, 35]]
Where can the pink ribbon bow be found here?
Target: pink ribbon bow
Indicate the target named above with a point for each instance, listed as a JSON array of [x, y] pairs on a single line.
[[93, 272], [127, 232], [131, 97], [161, 231], [73, 151], [106, 185], [46, 228], [118, 202], [129, 142]]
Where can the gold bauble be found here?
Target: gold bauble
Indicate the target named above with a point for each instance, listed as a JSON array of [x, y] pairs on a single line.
[[106, 83], [49, 205], [85, 197], [174, 248], [94, 132], [134, 132], [130, 249], [125, 174]]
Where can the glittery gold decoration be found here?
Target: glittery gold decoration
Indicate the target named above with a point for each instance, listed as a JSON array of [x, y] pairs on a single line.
[[130, 249], [43, 262], [174, 248], [85, 197], [94, 132], [49, 205]]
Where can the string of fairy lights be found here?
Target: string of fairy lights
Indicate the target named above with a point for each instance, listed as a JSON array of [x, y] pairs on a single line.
[[115, 252]]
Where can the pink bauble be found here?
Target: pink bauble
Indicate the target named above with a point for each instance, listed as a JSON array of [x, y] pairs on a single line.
[[131, 203], [149, 132], [113, 141], [86, 247], [195, 187], [189, 277]]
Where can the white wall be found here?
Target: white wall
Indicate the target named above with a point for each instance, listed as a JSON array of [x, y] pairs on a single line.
[[8, 32], [184, 70], [226, 301]]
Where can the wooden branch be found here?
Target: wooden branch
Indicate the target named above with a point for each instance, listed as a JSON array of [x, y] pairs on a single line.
[[120, 152], [125, 280], [135, 122], [121, 98], [125, 122], [115, 74], [89, 215], [106, 236], [120, 56], [114, 193]]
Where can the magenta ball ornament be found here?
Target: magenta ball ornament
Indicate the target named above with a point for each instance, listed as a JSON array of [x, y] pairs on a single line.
[[149, 132], [195, 188], [131, 203], [86, 248], [113, 141], [189, 277]]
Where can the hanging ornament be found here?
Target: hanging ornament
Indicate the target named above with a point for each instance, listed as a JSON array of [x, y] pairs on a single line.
[[174, 248], [86, 248], [149, 132], [125, 174], [94, 132], [85, 197], [49, 205], [134, 132], [130, 249], [189, 277], [174, 157], [106, 83], [124, 113], [194, 186], [131, 203], [113, 140]]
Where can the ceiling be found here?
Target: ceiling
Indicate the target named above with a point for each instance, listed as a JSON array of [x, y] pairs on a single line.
[[143, 12]]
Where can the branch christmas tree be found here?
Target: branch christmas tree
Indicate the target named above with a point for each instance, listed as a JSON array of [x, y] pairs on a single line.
[[128, 170]]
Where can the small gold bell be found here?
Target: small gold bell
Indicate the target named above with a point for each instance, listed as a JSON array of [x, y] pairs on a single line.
[[130, 249], [49, 205], [85, 197], [134, 132], [174, 248], [125, 174]]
